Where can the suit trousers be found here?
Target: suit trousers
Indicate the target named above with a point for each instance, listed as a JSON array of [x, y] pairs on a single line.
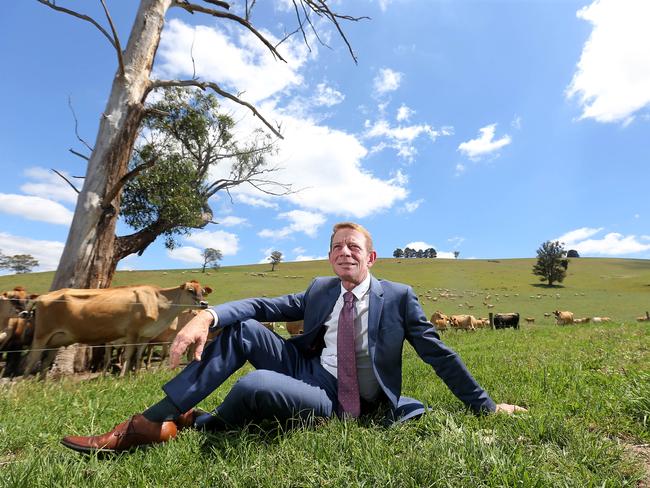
[[286, 384]]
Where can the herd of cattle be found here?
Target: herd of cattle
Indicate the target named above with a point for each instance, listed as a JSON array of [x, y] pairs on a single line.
[[129, 319]]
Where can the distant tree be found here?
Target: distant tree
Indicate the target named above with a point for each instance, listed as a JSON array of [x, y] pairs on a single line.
[[419, 253], [456, 254], [398, 253], [431, 253], [551, 262], [572, 253], [18, 263], [275, 258], [211, 257], [408, 252]]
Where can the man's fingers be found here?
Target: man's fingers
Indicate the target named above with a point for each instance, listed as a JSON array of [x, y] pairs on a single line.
[[199, 351], [509, 409]]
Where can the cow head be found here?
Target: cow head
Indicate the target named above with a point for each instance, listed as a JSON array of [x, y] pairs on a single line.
[[19, 298], [197, 292]]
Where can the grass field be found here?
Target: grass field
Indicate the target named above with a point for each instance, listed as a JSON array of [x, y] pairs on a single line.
[[587, 388]]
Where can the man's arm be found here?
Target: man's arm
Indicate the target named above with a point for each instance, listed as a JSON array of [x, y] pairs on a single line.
[[445, 361]]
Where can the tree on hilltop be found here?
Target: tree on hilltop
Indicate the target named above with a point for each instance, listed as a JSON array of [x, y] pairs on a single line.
[[18, 263], [551, 262], [211, 257], [275, 258]]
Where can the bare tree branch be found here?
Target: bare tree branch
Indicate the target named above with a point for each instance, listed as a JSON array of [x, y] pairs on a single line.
[[82, 156], [66, 180], [208, 84], [76, 125], [190, 7], [219, 3], [52, 5], [249, 9], [110, 196], [118, 47]]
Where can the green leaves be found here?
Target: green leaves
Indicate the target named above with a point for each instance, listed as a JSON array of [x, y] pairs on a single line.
[[551, 263]]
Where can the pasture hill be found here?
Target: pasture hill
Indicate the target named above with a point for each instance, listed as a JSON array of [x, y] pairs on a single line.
[[616, 288]]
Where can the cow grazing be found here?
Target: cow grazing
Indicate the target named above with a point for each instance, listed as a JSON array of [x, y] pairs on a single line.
[[135, 314], [296, 327], [599, 320], [482, 323], [530, 320], [16, 329], [583, 320], [644, 319], [505, 320], [465, 322], [563, 318], [440, 320]]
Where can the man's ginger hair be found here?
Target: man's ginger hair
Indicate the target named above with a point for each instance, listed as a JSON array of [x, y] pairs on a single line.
[[355, 226]]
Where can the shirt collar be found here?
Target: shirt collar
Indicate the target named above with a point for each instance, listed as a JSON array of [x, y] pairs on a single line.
[[361, 289]]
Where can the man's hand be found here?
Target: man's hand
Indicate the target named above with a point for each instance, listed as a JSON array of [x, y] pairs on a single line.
[[509, 409], [195, 332]]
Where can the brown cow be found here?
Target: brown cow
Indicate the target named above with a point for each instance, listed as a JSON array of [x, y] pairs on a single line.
[[133, 313], [440, 320], [563, 318], [466, 322]]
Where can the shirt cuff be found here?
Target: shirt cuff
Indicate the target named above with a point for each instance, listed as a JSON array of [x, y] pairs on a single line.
[[215, 318]]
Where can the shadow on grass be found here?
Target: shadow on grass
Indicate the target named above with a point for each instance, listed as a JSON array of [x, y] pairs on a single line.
[[547, 286]]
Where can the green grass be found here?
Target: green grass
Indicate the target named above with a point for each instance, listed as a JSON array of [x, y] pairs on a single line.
[[587, 388]]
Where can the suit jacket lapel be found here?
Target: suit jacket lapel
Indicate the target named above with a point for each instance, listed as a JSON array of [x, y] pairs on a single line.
[[374, 313], [326, 305]]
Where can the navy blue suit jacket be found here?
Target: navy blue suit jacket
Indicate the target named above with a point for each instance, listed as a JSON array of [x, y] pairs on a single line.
[[394, 315]]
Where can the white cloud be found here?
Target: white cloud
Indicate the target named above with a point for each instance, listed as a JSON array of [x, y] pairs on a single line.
[[47, 253], [401, 138], [410, 207], [187, 254], [485, 144], [404, 113], [387, 80], [253, 201], [612, 80], [577, 235], [232, 221], [417, 245], [35, 208], [298, 250], [49, 185], [327, 96], [460, 169], [456, 241], [226, 242], [612, 244], [383, 4], [251, 68], [309, 258], [300, 221], [445, 255]]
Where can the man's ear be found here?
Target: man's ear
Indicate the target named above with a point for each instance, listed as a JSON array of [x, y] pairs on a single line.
[[372, 257]]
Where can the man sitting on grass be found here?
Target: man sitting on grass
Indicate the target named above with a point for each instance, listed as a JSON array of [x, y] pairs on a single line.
[[347, 362]]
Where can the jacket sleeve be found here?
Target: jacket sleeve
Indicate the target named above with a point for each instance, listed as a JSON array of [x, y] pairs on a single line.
[[285, 308], [445, 361]]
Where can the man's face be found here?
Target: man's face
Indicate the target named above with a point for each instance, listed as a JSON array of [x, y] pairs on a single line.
[[349, 256]]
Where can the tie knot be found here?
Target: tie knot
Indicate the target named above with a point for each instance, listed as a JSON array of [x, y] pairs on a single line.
[[348, 297]]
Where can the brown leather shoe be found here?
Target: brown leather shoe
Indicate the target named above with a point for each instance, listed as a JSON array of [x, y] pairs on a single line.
[[187, 420], [132, 433]]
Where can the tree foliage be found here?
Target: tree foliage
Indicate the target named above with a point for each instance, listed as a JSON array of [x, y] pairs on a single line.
[[572, 253], [18, 263], [211, 257], [186, 141], [551, 262], [275, 258], [413, 253]]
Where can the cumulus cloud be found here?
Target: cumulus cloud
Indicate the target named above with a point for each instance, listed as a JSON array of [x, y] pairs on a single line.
[[327, 96], [185, 50], [226, 242], [404, 113], [232, 221], [47, 184], [611, 244], [47, 253], [186, 254], [302, 257], [410, 207], [35, 208], [324, 163], [300, 221], [612, 79], [419, 245], [485, 144], [401, 138], [386, 81]]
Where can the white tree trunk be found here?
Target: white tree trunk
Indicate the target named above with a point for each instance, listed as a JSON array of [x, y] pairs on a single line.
[[87, 259]]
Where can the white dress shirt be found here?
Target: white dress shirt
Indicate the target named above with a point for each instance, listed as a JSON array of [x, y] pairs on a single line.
[[368, 385]]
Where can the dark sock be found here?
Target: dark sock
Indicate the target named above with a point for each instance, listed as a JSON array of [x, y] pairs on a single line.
[[162, 411]]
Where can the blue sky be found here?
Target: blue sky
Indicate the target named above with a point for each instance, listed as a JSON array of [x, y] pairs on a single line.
[[484, 127]]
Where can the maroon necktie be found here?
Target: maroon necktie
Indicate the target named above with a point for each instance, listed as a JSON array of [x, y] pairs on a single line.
[[348, 384]]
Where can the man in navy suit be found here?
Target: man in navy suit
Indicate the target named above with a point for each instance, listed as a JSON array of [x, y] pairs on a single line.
[[297, 377]]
